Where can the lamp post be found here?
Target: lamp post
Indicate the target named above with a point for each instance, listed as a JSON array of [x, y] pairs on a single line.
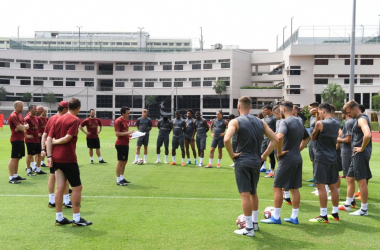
[[283, 37], [277, 43], [201, 39], [291, 29], [140, 37], [352, 61], [362, 34], [79, 35], [18, 34]]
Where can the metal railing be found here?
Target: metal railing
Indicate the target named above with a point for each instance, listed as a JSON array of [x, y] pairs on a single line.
[[105, 72]]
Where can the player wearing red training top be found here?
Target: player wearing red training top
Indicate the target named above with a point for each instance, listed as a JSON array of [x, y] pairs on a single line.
[[42, 121], [32, 140], [61, 146], [122, 145], [92, 123], [18, 127]]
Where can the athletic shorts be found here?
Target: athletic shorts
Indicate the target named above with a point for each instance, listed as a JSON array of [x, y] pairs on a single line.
[[71, 172], [247, 177], [346, 162], [187, 138], [163, 140], [325, 173], [311, 150], [143, 140], [33, 148], [201, 143], [288, 175], [359, 168], [217, 142], [52, 170], [93, 142], [122, 152], [178, 141], [18, 149]]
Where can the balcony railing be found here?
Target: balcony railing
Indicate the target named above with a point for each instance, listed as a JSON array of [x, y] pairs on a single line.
[[105, 72]]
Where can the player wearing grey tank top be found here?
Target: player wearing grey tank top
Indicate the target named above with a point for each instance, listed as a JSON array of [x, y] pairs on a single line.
[[218, 128], [201, 128], [165, 127], [313, 109], [189, 137], [179, 128]]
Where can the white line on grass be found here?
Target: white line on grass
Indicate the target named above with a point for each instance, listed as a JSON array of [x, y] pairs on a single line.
[[147, 197]]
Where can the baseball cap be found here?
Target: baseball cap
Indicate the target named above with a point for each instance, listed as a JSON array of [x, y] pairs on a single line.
[[64, 104]]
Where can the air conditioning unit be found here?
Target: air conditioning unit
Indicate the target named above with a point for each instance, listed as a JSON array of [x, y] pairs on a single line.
[[218, 46]]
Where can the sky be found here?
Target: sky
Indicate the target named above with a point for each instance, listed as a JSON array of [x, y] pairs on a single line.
[[251, 24]]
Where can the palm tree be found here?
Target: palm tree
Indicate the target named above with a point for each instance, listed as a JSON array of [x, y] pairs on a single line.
[[50, 98], [150, 100], [219, 87], [3, 94], [27, 97], [334, 94]]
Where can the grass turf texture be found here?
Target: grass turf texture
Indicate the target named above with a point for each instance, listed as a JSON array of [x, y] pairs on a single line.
[[169, 207]]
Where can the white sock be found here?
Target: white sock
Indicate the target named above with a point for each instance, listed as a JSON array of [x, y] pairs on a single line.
[[117, 179], [38, 169], [324, 211], [144, 157], [287, 194], [183, 159], [255, 215], [248, 221], [219, 161], [210, 161], [100, 158], [51, 198], [10, 177], [348, 201], [42, 162], [15, 175], [136, 157], [166, 158], [158, 157], [66, 198], [34, 164], [188, 159], [276, 214], [91, 158], [335, 210], [59, 216], [264, 165], [295, 213], [364, 206], [201, 160], [76, 217], [173, 157], [121, 177], [28, 170]]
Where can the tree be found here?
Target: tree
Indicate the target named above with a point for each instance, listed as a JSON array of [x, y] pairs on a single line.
[[334, 94], [50, 98], [27, 97], [219, 87], [3, 94], [150, 100], [376, 105]]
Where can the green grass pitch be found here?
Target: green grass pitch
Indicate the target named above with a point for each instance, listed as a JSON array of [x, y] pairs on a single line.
[[169, 207]]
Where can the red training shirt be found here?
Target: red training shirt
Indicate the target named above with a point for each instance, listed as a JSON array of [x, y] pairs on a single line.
[[33, 129], [50, 123], [92, 126], [14, 120], [66, 124], [121, 125], [42, 121]]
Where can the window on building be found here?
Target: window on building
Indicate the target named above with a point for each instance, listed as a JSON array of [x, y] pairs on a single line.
[[167, 67], [104, 114], [366, 81], [38, 83], [213, 101], [58, 67], [149, 68], [226, 80], [89, 84], [358, 98], [366, 99], [318, 98], [178, 84], [137, 84], [178, 67], [207, 66], [196, 66], [106, 85], [321, 81], [89, 67], [196, 84], [70, 83], [70, 67], [4, 64], [294, 89], [347, 81], [321, 62], [119, 84], [58, 83], [5, 81], [24, 82], [366, 61], [347, 61], [294, 72], [235, 103], [38, 66], [225, 65], [149, 84], [207, 83], [104, 101], [324, 56], [187, 102], [119, 68], [126, 100], [137, 68], [167, 84], [25, 65]]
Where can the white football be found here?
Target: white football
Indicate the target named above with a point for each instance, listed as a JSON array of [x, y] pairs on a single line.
[[268, 212], [140, 161], [240, 221]]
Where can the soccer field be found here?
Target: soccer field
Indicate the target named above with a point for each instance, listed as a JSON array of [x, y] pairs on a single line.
[[170, 207]]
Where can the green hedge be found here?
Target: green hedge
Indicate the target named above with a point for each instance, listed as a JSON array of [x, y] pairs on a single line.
[[375, 126]]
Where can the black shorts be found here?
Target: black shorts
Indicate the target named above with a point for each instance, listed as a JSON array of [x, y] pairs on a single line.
[[359, 168], [93, 142], [143, 140], [178, 141], [325, 173], [18, 149], [188, 137], [122, 152], [71, 172], [52, 170], [288, 175], [217, 142], [346, 163], [33, 148], [247, 177], [311, 150], [163, 140], [201, 143]]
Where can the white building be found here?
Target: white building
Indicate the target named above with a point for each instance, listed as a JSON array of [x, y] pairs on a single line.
[[106, 78]]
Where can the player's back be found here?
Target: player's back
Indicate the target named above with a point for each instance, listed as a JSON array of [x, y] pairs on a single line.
[[326, 141]]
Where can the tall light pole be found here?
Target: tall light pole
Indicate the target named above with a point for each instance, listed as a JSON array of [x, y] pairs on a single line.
[[79, 35], [140, 36], [201, 39], [362, 33], [283, 37], [352, 61], [291, 29], [18, 34], [277, 43]]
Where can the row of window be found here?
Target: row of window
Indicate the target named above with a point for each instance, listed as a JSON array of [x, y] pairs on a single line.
[[346, 61], [325, 81], [346, 56]]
